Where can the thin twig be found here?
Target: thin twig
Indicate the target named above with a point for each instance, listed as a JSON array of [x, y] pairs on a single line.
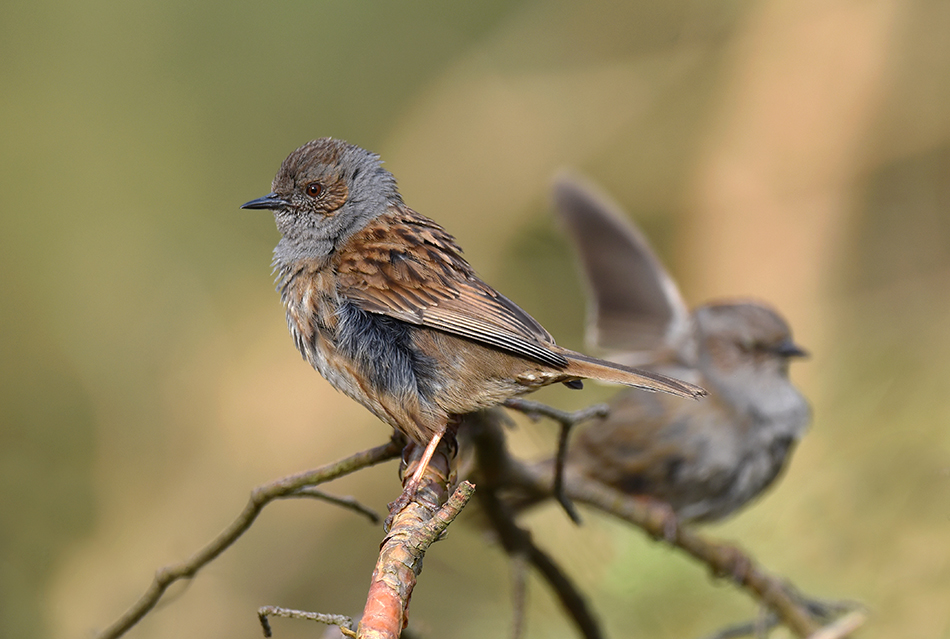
[[762, 627], [821, 611], [519, 594], [344, 623], [745, 628], [537, 409], [567, 421], [260, 497], [492, 458], [518, 542], [414, 529], [349, 503]]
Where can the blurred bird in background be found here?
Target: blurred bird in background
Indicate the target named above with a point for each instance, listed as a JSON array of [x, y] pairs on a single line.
[[705, 460]]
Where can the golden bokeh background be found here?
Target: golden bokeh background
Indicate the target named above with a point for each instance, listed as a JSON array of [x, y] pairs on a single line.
[[792, 151]]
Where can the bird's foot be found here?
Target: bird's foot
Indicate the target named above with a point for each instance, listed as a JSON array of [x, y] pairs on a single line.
[[662, 517], [412, 486], [397, 506]]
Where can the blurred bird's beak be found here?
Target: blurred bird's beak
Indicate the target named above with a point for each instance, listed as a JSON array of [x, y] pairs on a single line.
[[270, 201], [788, 348]]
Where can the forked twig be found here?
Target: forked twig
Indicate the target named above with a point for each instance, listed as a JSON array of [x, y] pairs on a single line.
[[566, 421], [260, 497]]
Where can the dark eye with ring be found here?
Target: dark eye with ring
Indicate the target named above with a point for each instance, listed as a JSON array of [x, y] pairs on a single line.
[[314, 189]]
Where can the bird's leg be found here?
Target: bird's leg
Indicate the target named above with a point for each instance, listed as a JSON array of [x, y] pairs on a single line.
[[410, 487], [662, 517], [413, 485]]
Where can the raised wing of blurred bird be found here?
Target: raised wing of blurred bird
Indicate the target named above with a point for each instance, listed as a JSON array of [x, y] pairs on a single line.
[[704, 459]]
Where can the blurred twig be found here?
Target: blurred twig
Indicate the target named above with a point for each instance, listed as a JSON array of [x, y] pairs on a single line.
[[414, 529], [518, 543], [836, 629], [745, 629], [260, 497], [842, 627], [724, 560], [566, 421], [491, 459], [519, 594]]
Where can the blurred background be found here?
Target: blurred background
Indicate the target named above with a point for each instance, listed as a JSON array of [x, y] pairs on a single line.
[[792, 151]]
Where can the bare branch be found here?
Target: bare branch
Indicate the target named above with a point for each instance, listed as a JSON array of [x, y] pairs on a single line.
[[260, 497], [724, 560], [745, 629]]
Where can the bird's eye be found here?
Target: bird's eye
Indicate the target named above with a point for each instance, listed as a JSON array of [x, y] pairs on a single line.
[[314, 189], [747, 346]]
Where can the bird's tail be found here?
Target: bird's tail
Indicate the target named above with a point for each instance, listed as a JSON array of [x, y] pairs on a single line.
[[587, 367]]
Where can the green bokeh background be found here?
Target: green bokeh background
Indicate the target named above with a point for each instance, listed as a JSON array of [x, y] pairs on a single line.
[[797, 152]]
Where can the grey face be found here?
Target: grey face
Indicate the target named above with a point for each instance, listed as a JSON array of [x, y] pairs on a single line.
[[323, 193], [744, 337]]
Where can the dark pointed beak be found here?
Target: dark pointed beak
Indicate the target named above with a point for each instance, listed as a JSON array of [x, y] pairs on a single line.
[[270, 201], [788, 348]]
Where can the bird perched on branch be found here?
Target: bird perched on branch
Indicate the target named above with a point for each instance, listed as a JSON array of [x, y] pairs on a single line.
[[704, 459], [381, 302]]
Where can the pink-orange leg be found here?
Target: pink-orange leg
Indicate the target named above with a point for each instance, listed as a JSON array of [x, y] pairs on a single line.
[[409, 490]]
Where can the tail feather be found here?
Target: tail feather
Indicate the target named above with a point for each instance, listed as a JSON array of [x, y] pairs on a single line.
[[604, 371]]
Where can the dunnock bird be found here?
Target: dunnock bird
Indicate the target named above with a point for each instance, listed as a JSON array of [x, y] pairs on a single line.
[[381, 302], [704, 459]]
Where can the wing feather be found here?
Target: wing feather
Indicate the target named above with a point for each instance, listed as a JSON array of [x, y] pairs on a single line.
[[634, 303], [406, 266]]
